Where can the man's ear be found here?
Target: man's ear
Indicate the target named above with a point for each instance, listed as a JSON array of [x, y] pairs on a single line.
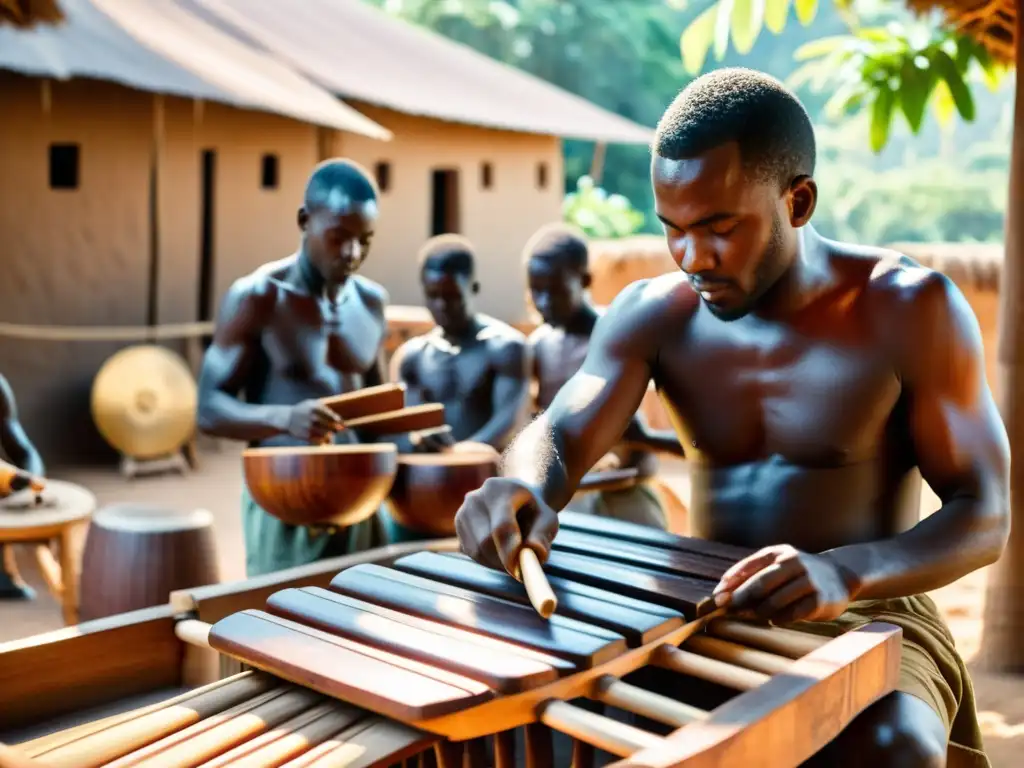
[[475, 288], [803, 199], [585, 279], [303, 218]]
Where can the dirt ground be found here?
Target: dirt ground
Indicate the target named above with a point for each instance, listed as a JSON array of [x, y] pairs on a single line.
[[215, 487]]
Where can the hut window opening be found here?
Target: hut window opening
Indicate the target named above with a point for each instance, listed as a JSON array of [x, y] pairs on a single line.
[[542, 175], [382, 171], [269, 172], [486, 175], [64, 166], [445, 210]]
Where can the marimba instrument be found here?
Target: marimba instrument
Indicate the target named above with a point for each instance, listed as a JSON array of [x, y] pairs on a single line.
[[428, 654]]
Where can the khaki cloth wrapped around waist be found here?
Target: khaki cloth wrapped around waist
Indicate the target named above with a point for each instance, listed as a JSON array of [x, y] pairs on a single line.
[[930, 667]]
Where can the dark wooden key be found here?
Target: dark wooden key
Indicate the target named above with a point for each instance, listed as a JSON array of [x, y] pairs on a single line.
[[584, 645], [645, 534], [669, 561], [682, 593], [601, 608], [363, 676], [361, 621]]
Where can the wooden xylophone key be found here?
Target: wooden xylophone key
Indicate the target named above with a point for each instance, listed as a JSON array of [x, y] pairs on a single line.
[[622, 530], [683, 593], [655, 558], [381, 628], [584, 645], [638, 622]]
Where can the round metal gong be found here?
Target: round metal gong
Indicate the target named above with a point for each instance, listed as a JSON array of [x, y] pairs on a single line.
[[144, 402]]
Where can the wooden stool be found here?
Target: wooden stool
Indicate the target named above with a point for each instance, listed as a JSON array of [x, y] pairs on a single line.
[[136, 555], [64, 509]]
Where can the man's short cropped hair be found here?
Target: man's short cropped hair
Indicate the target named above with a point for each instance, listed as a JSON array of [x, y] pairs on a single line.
[[560, 243], [338, 179], [449, 254], [766, 120]]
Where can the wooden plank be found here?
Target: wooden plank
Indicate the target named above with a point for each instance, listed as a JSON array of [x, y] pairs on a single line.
[[362, 622], [372, 743], [669, 561], [791, 717], [598, 607], [682, 593], [654, 537], [353, 672], [561, 666], [55, 673], [217, 601], [584, 645]]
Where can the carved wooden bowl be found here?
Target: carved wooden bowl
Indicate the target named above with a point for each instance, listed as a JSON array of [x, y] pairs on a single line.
[[429, 488], [321, 485]]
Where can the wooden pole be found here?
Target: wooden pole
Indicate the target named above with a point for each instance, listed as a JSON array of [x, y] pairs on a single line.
[[597, 163], [1002, 647]]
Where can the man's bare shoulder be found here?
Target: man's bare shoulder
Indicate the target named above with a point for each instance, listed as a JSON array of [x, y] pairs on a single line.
[[647, 309], [917, 312], [374, 295], [498, 334], [254, 295]]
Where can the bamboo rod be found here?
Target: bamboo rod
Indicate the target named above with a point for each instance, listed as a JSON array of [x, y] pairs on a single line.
[[612, 691], [714, 671], [603, 732], [730, 652], [785, 642]]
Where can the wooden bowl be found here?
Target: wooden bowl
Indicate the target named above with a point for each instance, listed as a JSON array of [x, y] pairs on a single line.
[[429, 488], [320, 485]]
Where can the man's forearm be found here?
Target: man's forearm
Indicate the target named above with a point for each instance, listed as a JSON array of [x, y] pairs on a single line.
[[957, 539], [221, 415], [536, 458]]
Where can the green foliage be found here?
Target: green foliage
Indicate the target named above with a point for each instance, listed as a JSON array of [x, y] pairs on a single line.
[[599, 214], [895, 68], [884, 70]]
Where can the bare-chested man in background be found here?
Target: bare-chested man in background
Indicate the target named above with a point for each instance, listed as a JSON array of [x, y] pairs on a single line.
[[557, 264], [294, 331], [476, 366]]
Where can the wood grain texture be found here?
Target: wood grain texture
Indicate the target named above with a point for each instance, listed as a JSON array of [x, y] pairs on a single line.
[[409, 419], [338, 485], [429, 488], [793, 715], [93, 663], [584, 645], [135, 555], [643, 534], [670, 561], [371, 743], [364, 676], [576, 601], [682, 593], [368, 401], [371, 625]]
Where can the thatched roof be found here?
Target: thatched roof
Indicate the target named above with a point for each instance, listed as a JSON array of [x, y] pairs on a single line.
[[991, 22], [25, 14]]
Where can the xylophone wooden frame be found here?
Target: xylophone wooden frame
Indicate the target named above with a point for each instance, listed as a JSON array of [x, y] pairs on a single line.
[[164, 649]]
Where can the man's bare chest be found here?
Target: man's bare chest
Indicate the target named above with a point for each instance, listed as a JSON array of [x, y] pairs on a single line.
[[310, 338], [811, 401], [448, 372]]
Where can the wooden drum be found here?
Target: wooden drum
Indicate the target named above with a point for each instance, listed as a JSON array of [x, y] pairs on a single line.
[[136, 555]]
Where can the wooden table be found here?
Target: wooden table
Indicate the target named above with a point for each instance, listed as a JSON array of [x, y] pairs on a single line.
[[66, 508]]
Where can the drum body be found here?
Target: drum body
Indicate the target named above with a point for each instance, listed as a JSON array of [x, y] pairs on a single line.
[[136, 555]]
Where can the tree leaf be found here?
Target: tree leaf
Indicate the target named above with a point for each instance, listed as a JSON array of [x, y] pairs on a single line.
[[696, 40], [821, 47], [958, 90], [942, 103], [775, 13], [915, 88], [806, 10], [881, 117], [722, 27], [747, 20]]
